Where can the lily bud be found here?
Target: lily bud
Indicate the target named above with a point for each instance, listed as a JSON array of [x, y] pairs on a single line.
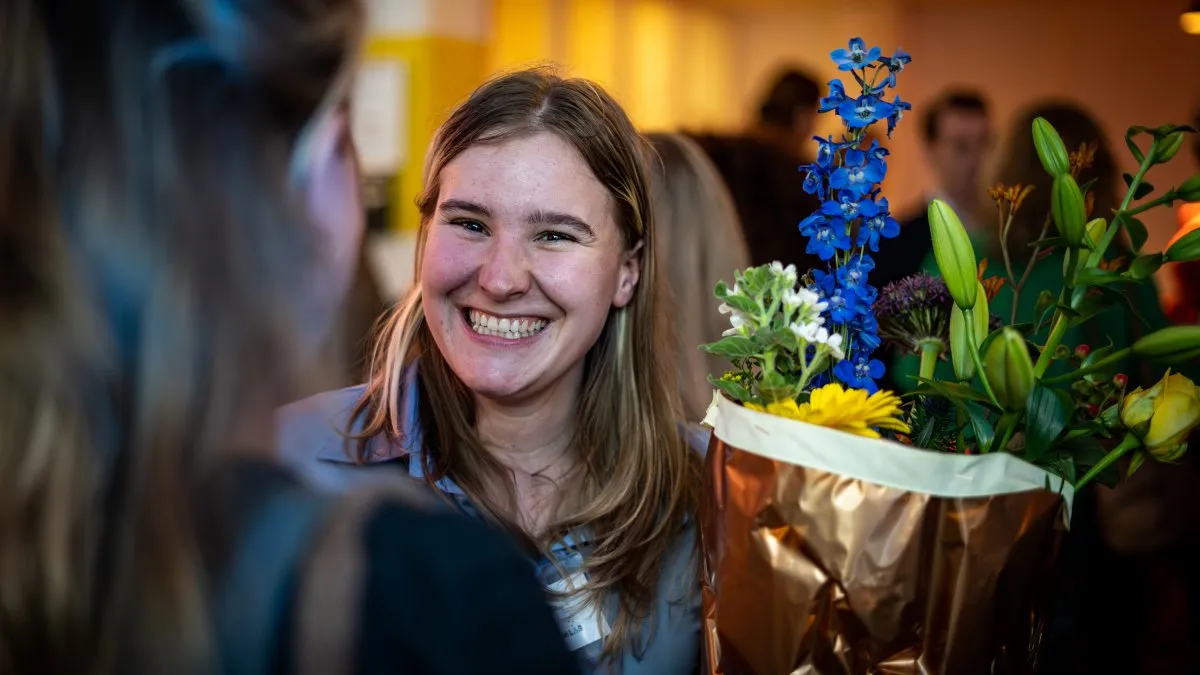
[[1190, 190], [954, 254], [960, 355], [1166, 147], [1184, 248], [1066, 206], [1163, 415], [1095, 231], [1010, 370], [1050, 149], [1173, 344]]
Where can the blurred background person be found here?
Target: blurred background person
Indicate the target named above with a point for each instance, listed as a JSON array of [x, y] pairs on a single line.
[[1184, 302], [701, 244], [956, 132], [179, 219], [761, 169]]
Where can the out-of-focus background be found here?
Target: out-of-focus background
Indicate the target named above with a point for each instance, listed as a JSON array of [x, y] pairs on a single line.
[[703, 65]]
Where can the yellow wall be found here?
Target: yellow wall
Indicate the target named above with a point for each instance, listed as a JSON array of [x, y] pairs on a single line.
[[668, 63], [442, 72]]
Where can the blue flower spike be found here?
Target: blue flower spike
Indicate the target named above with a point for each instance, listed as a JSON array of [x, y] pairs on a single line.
[[853, 219]]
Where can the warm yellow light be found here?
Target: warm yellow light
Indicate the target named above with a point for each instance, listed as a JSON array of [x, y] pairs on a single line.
[[1190, 21]]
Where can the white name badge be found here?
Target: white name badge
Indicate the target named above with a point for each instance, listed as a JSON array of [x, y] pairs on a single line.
[[580, 621]]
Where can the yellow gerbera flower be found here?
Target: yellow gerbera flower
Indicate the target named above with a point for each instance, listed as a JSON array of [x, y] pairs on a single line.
[[848, 410]]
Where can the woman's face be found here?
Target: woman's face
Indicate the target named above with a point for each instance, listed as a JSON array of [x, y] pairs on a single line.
[[522, 263], [334, 197]]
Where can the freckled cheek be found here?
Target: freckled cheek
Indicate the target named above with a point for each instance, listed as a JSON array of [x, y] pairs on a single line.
[[446, 266], [578, 285]]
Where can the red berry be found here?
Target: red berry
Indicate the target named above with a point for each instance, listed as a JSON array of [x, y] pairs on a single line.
[[968, 451], [1093, 410], [1082, 351], [1120, 380]]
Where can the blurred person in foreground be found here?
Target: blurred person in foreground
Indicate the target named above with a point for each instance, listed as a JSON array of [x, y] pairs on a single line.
[[956, 131], [527, 379], [179, 216], [762, 170], [702, 244]]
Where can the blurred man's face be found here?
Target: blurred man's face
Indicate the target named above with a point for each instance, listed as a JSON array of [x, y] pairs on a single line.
[[960, 150]]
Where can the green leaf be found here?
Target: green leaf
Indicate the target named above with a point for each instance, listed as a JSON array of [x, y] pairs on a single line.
[[982, 428], [1143, 187], [721, 290], [1045, 419], [1123, 299], [1025, 328], [1136, 230], [1087, 451], [733, 390], [1133, 148], [1145, 266], [1043, 310], [743, 304], [1049, 242], [954, 391], [733, 347], [1168, 129], [1094, 276], [775, 387]]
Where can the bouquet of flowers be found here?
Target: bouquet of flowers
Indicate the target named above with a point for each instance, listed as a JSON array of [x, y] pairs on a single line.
[[848, 530]]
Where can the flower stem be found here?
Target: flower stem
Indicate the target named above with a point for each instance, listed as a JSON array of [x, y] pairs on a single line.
[[1111, 232], [1129, 443], [969, 324], [930, 351], [1098, 365], [1009, 429], [1057, 332]]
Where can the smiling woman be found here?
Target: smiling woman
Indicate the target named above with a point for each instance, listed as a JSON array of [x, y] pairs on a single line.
[[526, 378]]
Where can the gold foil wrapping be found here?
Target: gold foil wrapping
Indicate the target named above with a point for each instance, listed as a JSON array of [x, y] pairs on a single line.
[[811, 572]]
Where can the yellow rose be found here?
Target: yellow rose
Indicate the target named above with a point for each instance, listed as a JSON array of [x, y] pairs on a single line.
[[1164, 415]]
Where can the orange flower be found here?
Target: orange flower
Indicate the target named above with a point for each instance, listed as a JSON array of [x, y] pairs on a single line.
[[992, 286], [1082, 159], [1187, 224]]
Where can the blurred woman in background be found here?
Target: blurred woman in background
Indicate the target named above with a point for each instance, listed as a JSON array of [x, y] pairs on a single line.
[[179, 219], [701, 244], [527, 378]]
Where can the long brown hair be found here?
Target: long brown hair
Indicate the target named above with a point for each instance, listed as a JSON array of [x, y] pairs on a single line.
[[701, 244], [151, 246], [640, 479]]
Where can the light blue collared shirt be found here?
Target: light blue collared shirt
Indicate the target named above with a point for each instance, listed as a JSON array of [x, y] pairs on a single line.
[[311, 441]]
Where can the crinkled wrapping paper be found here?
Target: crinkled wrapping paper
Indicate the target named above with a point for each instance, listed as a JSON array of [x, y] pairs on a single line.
[[831, 554]]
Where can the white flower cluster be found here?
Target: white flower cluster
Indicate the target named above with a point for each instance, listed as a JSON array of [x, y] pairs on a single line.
[[800, 308]]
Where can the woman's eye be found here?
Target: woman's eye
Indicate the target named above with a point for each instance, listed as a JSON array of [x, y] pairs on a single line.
[[554, 237], [469, 225]]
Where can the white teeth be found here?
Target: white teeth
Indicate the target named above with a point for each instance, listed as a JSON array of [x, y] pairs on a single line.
[[510, 329]]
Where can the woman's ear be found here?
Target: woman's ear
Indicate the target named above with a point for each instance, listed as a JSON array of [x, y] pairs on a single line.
[[629, 275]]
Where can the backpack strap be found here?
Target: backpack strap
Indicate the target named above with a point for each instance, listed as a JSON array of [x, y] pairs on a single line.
[[250, 603]]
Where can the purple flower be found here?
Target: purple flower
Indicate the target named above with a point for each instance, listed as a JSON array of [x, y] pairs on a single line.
[[897, 112], [814, 180], [826, 151], [825, 236], [853, 274], [914, 309], [848, 207]]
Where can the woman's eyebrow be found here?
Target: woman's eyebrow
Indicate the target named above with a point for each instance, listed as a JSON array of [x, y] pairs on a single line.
[[544, 218]]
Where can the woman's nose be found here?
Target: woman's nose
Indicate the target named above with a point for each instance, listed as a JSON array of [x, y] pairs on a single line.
[[505, 270]]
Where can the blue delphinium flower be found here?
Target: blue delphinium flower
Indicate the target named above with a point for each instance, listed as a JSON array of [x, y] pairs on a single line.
[[859, 174], [845, 176], [837, 95], [860, 371], [864, 111], [857, 56], [826, 236], [897, 112], [880, 225]]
